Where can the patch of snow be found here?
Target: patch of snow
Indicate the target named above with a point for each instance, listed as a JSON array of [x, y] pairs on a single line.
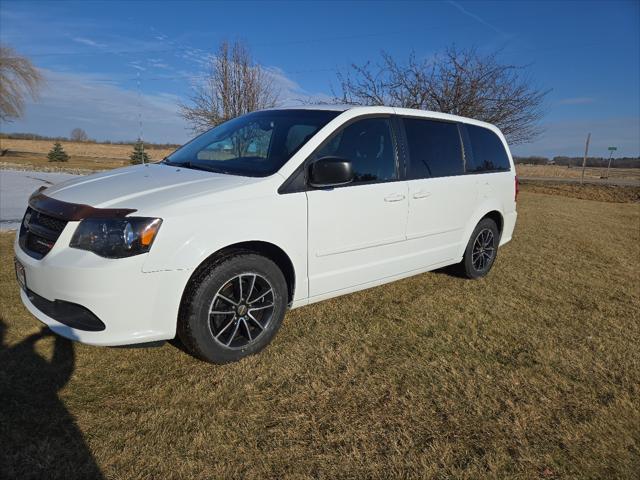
[[15, 188]]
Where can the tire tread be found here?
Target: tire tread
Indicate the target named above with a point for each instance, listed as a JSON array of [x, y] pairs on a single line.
[[188, 313]]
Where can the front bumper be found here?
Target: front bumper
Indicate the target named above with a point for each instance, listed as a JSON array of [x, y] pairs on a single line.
[[135, 307]]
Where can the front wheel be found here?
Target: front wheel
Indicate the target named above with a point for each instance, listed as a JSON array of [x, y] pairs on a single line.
[[234, 310], [481, 251]]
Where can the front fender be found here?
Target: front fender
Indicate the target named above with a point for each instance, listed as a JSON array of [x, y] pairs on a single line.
[[191, 235]]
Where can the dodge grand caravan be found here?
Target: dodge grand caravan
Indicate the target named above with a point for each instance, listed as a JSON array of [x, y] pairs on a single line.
[[272, 210]]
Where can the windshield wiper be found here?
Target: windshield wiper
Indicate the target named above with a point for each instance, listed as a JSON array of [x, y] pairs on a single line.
[[194, 166]]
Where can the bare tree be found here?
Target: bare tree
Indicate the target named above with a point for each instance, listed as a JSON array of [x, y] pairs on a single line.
[[18, 79], [460, 82], [234, 85], [78, 135]]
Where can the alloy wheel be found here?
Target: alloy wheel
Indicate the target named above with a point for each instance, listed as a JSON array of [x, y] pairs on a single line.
[[484, 250], [241, 310]]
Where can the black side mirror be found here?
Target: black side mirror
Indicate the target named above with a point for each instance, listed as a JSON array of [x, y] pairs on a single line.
[[330, 172]]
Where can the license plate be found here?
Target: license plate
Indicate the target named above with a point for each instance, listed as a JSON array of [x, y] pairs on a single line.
[[20, 275]]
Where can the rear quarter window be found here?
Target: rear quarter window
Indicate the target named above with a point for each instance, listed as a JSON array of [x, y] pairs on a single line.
[[434, 148], [487, 151]]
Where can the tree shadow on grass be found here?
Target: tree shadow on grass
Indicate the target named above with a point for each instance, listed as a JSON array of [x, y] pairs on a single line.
[[39, 438]]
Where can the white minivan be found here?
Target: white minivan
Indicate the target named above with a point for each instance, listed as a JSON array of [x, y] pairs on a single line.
[[272, 210]]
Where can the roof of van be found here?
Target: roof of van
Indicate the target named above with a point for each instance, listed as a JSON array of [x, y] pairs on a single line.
[[384, 109]]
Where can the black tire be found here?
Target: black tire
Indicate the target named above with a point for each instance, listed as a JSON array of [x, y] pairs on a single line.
[[205, 334], [482, 250]]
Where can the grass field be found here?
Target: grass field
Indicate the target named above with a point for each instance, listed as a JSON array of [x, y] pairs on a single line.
[[84, 157], [558, 171], [603, 193], [80, 149], [533, 372]]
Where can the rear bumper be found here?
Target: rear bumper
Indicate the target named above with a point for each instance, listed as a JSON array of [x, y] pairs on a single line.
[[508, 227], [134, 307]]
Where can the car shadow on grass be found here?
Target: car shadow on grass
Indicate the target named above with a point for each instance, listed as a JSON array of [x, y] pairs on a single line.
[[39, 437], [451, 271]]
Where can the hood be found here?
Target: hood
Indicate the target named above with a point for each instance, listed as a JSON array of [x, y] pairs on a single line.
[[142, 186]]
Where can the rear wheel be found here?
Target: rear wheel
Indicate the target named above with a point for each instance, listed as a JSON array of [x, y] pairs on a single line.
[[481, 251], [234, 309]]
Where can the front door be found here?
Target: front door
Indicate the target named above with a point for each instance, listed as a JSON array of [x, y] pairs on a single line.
[[356, 232]]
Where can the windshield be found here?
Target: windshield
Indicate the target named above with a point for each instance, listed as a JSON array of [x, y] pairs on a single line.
[[256, 144]]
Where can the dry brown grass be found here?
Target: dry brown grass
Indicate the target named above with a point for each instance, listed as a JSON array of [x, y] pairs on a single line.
[[39, 162], [80, 149], [84, 157], [533, 372], [601, 193], [558, 171]]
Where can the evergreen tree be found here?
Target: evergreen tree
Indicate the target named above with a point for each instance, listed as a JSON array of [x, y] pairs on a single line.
[[139, 155], [57, 154]]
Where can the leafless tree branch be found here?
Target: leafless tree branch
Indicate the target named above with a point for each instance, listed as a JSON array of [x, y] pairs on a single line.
[[19, 79], [234, 85], [460, 82], [78, 135]]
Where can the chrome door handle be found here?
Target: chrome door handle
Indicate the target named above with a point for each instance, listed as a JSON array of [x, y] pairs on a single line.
[[421, 194], [394, 197]]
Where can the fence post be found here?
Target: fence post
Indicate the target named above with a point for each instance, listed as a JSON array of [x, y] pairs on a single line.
[[584, 160]]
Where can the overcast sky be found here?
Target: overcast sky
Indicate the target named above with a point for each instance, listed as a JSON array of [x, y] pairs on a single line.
[[108, 64]]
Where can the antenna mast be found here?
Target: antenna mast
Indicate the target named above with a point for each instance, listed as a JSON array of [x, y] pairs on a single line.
[[140, 118]]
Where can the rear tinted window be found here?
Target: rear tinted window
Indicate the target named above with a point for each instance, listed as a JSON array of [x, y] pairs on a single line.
[[487, 151], [434, 148]]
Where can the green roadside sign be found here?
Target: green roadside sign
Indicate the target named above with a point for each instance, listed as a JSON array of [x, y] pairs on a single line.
[[613, 148]]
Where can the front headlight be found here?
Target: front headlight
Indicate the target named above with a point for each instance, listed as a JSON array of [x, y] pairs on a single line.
[[116, 237]]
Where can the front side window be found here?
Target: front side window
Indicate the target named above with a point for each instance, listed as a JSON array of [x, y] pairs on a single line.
[[434, 148], [368, 144], [487, 151], [256, 144]]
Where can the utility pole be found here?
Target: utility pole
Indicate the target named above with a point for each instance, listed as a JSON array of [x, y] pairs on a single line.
[[584, 160], [611, 150]]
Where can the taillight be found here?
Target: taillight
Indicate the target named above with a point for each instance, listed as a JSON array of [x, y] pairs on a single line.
[[517, 189]]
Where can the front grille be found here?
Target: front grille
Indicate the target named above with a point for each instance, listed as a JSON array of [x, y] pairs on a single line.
[[39, 232], [51, 223]]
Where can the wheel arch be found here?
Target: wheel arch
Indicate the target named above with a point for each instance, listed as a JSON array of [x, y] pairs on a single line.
[[487, 210], [266, 249], [497, 217]]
